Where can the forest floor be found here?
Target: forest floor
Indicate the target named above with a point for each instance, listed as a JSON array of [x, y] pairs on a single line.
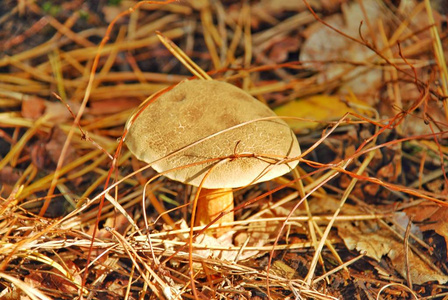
[[363, 84]]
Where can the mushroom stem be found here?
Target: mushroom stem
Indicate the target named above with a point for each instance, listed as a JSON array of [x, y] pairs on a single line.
[[211, 203]]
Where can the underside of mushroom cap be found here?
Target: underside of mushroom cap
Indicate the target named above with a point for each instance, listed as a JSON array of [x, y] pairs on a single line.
[[208, 109]]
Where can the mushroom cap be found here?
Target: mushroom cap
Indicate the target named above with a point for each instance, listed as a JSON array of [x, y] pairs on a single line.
[[197, 109]]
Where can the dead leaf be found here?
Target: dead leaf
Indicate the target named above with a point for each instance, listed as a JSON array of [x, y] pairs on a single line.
[[210, 242], [118, 222], [280, 50], [117, 286], [330, 205], [33, 108], [402, 219], [392, 170], [414, 124], [438, 222], [211, 246], [59, 113], [378, 242], [9, 175], [375, 242], [279, 6], [111, 106], [283, 270], [320, 108], [324, 44], [45, 153], [420, 271], [422, 212], [332, 5], [54, 280]]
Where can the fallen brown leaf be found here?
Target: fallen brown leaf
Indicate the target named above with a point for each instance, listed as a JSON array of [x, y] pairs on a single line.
[[378, 242], [438, 221], [33, 108]]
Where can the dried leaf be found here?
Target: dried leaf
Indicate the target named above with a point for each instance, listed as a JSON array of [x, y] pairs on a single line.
[[45, 153], [377, 242], [283, 270], [324, 44], [320, 108], [422, 212], [438, 222], [420, 272], [33, 108], [212, 242], [280, 50], [59, 113], [111, 106], [54, 280], [9, 175], [117, 287]]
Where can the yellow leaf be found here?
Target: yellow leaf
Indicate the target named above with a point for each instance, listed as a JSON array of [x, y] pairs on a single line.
[[316, 109]]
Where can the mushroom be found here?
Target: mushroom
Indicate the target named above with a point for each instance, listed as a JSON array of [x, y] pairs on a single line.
[[193, 110]]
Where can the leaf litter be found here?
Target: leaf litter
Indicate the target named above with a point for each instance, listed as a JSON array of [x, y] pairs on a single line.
[[363, 83]]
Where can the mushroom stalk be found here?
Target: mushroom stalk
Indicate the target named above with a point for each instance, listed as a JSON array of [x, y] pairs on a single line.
[[211, 203]]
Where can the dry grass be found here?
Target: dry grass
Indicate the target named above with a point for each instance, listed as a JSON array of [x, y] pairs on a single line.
[[72, 74]]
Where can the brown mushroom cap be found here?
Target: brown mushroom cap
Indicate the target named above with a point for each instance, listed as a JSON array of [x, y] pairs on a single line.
[[196, 109]]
